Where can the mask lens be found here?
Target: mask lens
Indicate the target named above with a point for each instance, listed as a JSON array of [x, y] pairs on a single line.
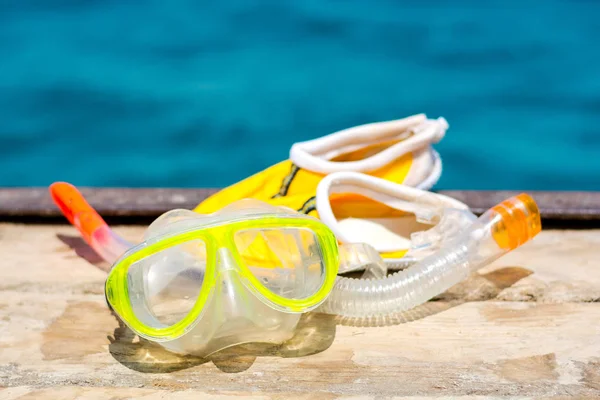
[[287, 261], [164, 286]]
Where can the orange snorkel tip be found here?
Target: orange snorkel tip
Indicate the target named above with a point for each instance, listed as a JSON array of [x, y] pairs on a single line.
[[74, 207], [519, 221]]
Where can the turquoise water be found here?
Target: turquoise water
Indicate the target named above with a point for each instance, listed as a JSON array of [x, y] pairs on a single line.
[[197, 93]]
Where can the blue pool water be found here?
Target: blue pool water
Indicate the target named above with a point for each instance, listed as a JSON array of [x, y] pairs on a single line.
[[196, 93]]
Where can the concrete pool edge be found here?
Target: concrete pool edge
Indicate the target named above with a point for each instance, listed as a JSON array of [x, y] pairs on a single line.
[[129, 205]]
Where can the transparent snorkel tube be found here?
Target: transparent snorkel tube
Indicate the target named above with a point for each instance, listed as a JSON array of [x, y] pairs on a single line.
[[501, 229]]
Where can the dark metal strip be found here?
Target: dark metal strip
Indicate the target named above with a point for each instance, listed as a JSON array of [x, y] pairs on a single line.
[[28, 203]]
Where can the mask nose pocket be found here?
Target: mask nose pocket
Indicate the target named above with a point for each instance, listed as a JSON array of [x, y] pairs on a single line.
[[233, 298], [237, 314], [235, 304]]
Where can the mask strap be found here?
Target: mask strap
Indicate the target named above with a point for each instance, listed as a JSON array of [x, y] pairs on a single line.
[[412, 133], [428, 181], [426, 206]]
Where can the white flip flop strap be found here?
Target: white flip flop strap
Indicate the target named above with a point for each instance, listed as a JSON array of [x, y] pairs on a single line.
[[314, 155], [393, 195]]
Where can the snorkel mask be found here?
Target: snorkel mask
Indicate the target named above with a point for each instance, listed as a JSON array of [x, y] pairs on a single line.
[[201, 283]]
